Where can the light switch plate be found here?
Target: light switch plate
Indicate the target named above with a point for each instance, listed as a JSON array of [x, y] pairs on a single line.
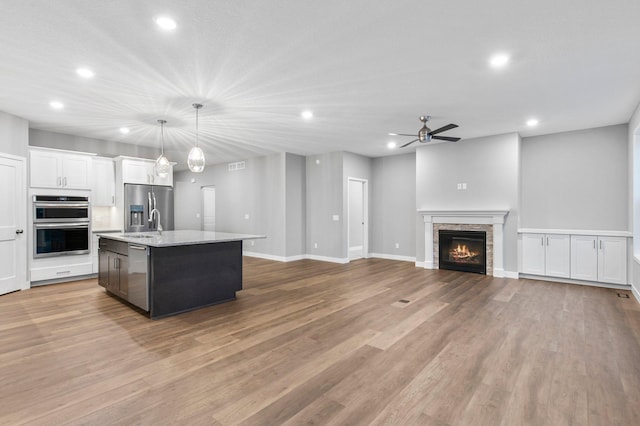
[[459, 186], [464, 186], [246, 216], [336, 217]]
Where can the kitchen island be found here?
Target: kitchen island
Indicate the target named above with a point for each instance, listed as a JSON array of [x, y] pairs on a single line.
[[172, 272]]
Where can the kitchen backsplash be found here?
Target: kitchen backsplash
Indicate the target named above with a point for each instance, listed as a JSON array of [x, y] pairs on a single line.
[[103, 218]]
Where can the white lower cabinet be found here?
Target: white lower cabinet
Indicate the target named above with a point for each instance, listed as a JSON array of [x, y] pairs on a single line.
[[601, 259], [579, 257], [546, 254]]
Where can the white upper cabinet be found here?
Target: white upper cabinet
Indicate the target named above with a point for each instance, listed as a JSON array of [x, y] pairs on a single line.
[[104, 182], [52, 169], [143, 172]]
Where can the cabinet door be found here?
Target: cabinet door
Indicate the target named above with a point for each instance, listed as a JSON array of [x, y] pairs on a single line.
[[558, 259], [533, 251], [584, 257], [137, 171], [103, 268], [123, 282], [104, 185], [44, 169], [75, 171], [166, 181], [612, 260]]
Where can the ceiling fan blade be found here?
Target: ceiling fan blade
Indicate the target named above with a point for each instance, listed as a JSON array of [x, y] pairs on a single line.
[[402, 134], [443, 129], [446, 138], [409, 143]]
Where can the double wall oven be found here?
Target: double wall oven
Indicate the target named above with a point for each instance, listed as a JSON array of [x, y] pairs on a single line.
[[61, 225]]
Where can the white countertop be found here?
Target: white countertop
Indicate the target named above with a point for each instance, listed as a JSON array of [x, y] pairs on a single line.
[[178, 238]]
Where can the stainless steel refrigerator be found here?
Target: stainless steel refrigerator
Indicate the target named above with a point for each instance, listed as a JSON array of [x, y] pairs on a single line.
[[139, 200]]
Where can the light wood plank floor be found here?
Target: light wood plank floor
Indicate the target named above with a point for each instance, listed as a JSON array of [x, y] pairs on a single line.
[[317, 343]]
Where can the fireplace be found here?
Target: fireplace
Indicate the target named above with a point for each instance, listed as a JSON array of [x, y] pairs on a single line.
[[463, 250]]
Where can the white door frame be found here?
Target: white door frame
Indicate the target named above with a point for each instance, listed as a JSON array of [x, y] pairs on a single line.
[[202, 189], [365, 214], [21, 268]]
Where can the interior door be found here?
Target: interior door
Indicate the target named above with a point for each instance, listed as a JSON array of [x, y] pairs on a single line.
[[208, 208], [13, 237], [356, 219]]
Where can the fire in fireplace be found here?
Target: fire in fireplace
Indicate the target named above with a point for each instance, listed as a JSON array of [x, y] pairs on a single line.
[[463, 251]]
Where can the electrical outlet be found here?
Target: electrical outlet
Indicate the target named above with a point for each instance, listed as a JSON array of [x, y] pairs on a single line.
[[253, 243], [315, 245], [464, 186], [459, 186], [246, 216], [198, 215], [336, 217], [397, 245], [317, 161]]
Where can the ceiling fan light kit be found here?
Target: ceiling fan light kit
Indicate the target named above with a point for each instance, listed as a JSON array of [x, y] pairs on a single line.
[[425, 134], [196, 160]]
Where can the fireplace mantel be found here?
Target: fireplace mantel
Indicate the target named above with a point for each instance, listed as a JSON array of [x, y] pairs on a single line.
[[480, 217]]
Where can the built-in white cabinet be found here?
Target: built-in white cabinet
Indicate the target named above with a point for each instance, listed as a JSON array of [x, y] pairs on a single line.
[[57, 169], [599, 258], [546, 254], [143, 172], [104, 182]]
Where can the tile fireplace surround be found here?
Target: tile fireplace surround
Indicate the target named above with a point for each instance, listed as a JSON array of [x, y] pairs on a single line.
[[466, 219]]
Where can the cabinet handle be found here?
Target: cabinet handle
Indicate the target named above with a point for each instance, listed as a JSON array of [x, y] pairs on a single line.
[[600, 244], [541, 241], [63, 272], [64, 181], [59, 181], [547, 240], [113, 199], [594, 244]]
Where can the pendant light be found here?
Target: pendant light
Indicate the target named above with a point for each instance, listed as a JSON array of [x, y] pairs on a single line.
[[162, 163], [196, 156]]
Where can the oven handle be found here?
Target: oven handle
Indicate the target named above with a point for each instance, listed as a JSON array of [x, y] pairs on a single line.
[[61, 205], [61, 225]]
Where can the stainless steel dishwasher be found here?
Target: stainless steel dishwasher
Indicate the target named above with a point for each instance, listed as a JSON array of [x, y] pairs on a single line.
[[138, 276]]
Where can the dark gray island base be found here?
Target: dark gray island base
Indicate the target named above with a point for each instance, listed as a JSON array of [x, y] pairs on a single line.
[[179, 274]]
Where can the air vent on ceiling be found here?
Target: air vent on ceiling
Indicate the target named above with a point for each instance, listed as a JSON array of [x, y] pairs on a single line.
[[236, 166]]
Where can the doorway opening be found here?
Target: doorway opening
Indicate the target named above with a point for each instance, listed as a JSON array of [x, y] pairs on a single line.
[[357, 218], [208, 208]]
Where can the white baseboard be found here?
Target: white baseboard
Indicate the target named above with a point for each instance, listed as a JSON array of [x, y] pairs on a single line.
[[635, 293], [579, 282], [422, 265], [327, 259], [511, 274], [273, 257], [392, 257]]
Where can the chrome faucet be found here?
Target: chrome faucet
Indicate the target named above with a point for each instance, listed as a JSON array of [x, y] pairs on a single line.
[[157, 212]]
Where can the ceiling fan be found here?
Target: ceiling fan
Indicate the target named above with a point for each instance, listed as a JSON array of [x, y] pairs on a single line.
[[425, 134]]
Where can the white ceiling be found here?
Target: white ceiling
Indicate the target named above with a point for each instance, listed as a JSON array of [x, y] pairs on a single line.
[[364, 68]]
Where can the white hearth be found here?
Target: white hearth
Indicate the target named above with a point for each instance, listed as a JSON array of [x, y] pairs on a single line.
[[495, 218]]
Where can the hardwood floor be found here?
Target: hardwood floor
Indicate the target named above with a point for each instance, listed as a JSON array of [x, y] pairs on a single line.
[[309, 342]]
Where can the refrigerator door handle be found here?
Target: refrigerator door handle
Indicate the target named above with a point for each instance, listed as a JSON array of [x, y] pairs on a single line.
[[149, 208], [156, 222]]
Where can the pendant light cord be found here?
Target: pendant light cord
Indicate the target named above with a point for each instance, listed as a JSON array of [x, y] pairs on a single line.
[[197, 111]]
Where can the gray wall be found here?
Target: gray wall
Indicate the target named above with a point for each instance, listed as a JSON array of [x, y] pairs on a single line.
[[101, 147], [14, 135], [394, 205], [296, 201], [257, 191], [576, 180], [325, 199], [354, 166], [489, 166]]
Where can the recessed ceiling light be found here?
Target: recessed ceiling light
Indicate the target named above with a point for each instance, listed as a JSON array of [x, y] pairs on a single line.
[[124, 130], [56, 105], [166, 23], [307, 115], [532, 122], [391, 145], [498, 61], [85, 72]]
